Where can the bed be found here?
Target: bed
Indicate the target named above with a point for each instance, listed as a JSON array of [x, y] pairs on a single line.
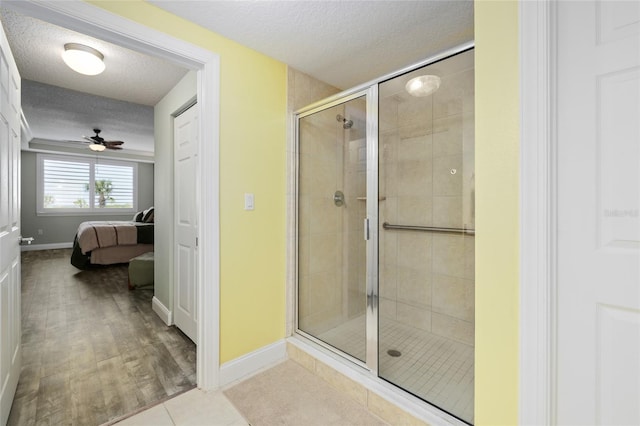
[[112, 242]]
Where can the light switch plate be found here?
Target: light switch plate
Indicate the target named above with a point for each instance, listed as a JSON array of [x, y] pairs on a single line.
[[249, 201]]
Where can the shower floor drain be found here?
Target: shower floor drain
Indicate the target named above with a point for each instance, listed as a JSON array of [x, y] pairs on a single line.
[[394, 353]]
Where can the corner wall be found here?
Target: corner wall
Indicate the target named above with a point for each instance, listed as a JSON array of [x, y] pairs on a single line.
[[497, 212]]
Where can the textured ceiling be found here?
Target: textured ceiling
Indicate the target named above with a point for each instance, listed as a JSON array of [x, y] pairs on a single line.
[[130, 76], [344, 43], [53, 119], [61, 105]]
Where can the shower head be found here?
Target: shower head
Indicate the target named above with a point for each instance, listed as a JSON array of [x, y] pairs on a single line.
[[346, 124]]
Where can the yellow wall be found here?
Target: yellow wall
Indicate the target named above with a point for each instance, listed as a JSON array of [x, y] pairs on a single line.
[[252, 157], [497, 212]]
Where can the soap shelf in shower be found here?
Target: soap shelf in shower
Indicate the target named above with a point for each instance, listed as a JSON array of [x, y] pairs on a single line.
[[466, 231]]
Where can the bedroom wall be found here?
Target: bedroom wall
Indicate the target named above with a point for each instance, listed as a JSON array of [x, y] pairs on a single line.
[[180, 95], [61, 229]]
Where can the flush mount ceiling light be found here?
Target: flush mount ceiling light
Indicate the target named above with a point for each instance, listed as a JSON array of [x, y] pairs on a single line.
[[83, 59], [97, 147], [423, 85]]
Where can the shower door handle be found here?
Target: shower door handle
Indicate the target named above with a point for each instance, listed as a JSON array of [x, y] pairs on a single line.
[[366, 229]]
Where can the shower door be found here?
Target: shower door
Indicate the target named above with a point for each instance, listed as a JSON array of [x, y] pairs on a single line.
[[427, 234], [332, 207]]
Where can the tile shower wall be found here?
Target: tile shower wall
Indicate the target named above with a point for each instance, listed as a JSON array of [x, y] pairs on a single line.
[[427, 179]]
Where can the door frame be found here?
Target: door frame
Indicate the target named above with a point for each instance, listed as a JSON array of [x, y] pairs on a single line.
[[538, 212], [91, 20]]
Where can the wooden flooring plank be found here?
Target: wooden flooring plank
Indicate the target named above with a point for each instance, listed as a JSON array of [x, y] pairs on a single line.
[[55, 359], [53, 399], [29, 382], [104, 345], [118, 387], [141, 369], [82, 358], [23, 411], [166, 368], [87, 399]]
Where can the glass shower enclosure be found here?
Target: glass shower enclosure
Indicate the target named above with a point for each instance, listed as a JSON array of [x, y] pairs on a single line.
[[385, 229]]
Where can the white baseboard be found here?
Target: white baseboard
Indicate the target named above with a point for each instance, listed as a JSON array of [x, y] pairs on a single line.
[[51, 246], [161, 310], [253, 362]]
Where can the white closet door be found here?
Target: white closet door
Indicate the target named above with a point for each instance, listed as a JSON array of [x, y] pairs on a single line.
[[598, 334], [186, 224]]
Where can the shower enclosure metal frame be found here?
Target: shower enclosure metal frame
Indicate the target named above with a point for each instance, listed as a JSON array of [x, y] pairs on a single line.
[[369, 93], [370, 227]]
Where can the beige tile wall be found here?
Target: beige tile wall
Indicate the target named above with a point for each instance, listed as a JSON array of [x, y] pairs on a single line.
[[426, 175]]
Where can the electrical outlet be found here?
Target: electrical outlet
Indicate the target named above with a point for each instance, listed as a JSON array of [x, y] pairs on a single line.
[[40, 232]]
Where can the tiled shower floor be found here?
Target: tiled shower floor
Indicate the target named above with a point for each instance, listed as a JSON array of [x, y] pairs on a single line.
[[432, 367]]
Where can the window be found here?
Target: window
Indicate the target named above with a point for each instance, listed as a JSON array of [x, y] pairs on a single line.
[[78, 185]]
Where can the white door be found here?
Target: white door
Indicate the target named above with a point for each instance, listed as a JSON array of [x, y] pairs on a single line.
[[186, 223], [9, 228], [598, 329]]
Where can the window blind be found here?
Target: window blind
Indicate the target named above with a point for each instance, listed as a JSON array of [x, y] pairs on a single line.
[[85, 184]]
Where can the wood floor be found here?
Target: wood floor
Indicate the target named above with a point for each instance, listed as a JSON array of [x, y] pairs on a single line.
[[92, 350]]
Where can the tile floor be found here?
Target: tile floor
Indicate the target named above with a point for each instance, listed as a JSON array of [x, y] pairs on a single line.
[[194, 407], [432, 367]]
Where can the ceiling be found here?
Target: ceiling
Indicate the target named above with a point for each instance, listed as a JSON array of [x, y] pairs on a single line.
[[61, 105], [344, 43]]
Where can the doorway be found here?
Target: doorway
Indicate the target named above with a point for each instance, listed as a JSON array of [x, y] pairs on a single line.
[[83, 17]]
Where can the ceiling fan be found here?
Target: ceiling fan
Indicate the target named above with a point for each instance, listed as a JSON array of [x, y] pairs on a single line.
[[99, 144]]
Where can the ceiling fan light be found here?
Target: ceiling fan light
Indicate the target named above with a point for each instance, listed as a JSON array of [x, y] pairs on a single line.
[[423, 85], [83, 59], [97, 147]]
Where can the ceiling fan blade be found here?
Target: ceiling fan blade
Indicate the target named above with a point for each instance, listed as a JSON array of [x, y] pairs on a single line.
[[90, 139], [113, 147], [113, 142]]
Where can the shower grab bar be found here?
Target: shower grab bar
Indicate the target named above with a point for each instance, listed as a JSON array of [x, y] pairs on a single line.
[[386, 225]]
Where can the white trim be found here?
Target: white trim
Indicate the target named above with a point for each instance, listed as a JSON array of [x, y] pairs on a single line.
[[537, 224], [163, 312], [403, 400], [91, 20], [49, 246], [253, 362], [208, 355]]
